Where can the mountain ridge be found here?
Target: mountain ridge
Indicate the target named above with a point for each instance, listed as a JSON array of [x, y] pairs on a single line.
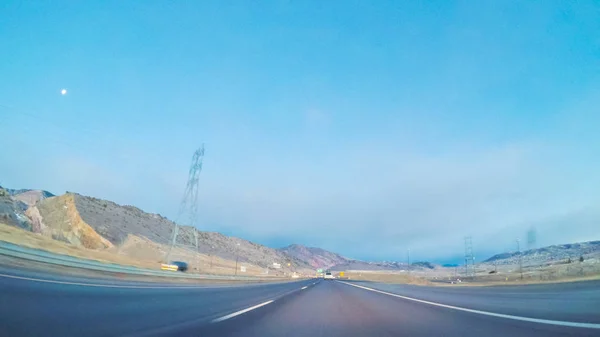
[[549, 253], [105, 225], [42, 212], [313, 256]]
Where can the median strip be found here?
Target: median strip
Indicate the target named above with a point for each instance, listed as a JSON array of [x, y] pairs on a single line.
[[226, 317], [487, 313]]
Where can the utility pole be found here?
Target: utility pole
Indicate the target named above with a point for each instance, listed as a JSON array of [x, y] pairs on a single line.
[[197, 251], [237, 254], [408, 259], [520, 258]]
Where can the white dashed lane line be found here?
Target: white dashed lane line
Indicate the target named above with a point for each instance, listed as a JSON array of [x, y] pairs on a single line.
[[226, 317]]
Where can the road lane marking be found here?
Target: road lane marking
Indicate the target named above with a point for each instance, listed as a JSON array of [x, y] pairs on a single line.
[[221, 319], [303, 287], [487, 313], [103, 285]]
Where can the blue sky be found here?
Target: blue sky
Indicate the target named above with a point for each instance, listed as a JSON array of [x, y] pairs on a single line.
[[363, 128]]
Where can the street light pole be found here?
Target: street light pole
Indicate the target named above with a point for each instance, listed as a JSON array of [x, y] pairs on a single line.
[[408, 259]]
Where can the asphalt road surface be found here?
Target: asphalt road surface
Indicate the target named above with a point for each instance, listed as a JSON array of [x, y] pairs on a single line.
[[35, 305]]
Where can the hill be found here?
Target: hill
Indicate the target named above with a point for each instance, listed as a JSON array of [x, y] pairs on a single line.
[[13, 192], [100, 224], [371, 266], [31, 197], [321, 258], [12, 211], [314, 257], [547, 254]]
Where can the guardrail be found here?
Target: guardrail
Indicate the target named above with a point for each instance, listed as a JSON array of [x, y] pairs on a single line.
[[38, 255]]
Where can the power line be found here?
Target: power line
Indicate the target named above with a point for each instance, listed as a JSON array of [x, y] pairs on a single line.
[[47, 120]]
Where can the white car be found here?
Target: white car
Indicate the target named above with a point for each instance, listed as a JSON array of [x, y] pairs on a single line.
[[328, 276]]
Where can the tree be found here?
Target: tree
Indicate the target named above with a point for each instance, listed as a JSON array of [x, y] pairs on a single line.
[[581, 258]]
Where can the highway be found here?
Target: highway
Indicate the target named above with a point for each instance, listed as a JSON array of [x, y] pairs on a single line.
[[45, 304]]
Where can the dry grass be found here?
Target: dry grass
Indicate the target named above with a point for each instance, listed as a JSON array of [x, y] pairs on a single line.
[[505, 275], [557, 272], [28, 239], [518, 281], [386, 277], [135, 251]]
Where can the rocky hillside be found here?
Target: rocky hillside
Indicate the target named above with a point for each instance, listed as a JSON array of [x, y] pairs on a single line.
[[58, 217], [12, 212], [373, 266], [31, 197], [548, 254], [314, 257], [99, 224], [104, 225]]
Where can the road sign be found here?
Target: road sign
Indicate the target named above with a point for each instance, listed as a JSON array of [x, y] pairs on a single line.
[[243, 269], [341, 274], [319, 270]]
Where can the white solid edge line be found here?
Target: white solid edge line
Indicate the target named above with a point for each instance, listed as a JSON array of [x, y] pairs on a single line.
[[101, 285], [220, 319], [518, 318], [303, 287]]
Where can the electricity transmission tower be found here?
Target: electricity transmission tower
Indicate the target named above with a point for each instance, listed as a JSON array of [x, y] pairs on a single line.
[[189, 203], [531, 238], [520, 257], [469, 258]]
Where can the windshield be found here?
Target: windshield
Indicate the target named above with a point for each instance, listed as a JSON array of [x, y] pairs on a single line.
[[299, 168]]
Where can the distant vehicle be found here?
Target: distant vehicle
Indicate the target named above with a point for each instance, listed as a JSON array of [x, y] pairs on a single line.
[[328, 276], [181, 266], [175, 266]]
